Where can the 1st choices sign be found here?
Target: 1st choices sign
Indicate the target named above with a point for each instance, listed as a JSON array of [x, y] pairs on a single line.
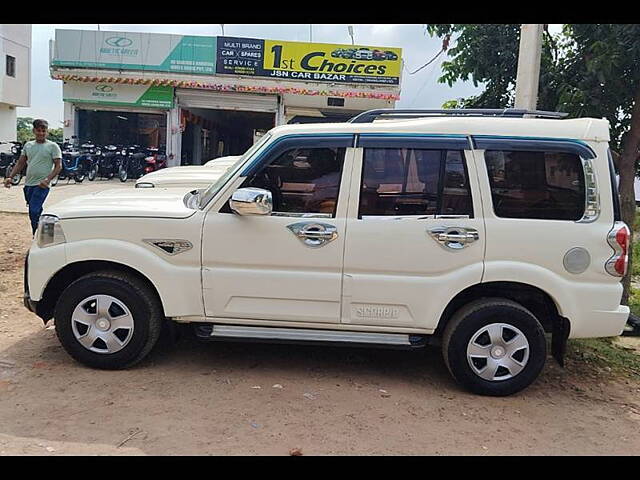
[[321, 62]]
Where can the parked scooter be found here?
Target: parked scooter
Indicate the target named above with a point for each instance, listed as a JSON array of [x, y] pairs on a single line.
[[155, 160], [73, 166], [109, 160], [9, 160], [90, 157], [133, 164]]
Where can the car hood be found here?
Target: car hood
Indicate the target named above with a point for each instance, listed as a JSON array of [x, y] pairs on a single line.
[[196, 176], [159, 203]]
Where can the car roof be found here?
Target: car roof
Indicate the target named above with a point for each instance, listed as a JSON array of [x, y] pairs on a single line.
[[593, 129]]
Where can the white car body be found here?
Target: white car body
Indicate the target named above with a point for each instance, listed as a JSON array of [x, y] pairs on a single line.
[[383, 275], [189, 176]]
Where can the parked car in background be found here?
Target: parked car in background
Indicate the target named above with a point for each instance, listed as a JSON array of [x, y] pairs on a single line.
[[190, 176], [480, 231]]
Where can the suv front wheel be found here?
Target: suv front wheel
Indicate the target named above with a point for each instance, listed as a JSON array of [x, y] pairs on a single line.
[[108, 320], [494, 346]]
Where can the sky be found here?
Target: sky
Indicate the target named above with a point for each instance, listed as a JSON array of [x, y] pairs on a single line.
[[420, 90]]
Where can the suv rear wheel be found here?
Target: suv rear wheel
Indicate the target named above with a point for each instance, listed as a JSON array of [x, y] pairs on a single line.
[[494, 346], [108, 320]]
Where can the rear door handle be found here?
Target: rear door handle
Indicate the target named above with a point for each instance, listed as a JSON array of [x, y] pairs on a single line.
[[454, 238]]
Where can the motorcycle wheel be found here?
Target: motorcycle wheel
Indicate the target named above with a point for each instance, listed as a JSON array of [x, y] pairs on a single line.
[[93, 172], [54, 180], [122, 173], [79, 178], [16, 179]]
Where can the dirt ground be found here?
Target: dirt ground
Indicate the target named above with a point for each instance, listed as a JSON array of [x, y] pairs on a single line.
[[259, 399]]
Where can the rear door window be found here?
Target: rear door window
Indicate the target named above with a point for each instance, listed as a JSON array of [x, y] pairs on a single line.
[[536, 184], [412, 181]]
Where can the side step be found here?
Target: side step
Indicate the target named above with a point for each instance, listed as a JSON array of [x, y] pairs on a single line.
[[209, 331]]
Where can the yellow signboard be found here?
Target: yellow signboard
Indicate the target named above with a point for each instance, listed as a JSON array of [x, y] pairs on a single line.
[[330, 62], [322, 62]]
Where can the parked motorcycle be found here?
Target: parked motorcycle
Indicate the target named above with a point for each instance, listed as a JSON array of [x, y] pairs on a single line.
[[73, 166], [133, 164], [9, 160]]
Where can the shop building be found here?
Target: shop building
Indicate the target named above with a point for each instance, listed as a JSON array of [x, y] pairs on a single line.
[[204, 97]]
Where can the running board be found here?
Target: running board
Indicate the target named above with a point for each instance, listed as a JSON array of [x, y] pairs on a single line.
[[277, 334]]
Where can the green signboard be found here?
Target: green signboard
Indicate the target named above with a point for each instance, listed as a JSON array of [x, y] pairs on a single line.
[[117, 94], [135, 51]]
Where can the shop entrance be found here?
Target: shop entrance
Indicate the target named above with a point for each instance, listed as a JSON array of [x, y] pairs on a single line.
[[122, 128], [210, 134]]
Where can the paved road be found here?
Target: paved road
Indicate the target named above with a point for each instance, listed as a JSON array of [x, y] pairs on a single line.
[[12, 199]]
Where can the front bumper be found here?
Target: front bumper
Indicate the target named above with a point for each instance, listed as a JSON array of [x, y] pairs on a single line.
[[30, 304]]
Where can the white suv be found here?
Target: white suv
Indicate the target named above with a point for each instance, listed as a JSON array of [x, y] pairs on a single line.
[[477, 230]]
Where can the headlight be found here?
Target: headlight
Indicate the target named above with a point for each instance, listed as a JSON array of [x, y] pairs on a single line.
[[145, 185], [50, 231]]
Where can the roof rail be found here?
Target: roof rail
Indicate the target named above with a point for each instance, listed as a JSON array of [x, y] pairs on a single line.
[[370, 115]]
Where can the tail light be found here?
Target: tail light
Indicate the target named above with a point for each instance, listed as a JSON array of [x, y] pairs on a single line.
[[148, 169], [618, 239]]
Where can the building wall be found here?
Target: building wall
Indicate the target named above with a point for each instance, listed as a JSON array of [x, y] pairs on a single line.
[[15, 40], [8, 119]]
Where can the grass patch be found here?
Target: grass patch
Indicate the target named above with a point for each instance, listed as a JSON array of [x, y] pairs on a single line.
[[634, 301], [603, 353]]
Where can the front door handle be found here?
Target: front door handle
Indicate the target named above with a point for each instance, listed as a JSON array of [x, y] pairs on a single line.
[[314, 234], [454, 238]]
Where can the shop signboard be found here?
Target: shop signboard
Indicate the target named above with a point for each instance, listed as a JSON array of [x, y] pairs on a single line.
[[135, 51], [320, 62], [119, 95]]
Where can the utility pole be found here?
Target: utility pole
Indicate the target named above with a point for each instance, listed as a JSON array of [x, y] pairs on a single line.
[[528, 77]]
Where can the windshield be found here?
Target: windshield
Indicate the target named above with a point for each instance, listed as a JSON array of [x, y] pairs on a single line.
[[210, 192]]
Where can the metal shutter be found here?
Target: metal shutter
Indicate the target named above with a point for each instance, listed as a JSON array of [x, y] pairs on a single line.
[[250, 102]]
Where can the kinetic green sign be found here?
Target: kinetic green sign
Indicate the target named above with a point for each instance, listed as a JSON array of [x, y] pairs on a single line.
[[114, 94], [135, 51]]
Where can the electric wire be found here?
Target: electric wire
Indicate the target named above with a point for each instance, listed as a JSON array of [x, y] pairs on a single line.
[[445, 46]]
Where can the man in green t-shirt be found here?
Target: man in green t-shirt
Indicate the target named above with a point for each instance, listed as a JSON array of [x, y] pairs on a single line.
[[43, 159]]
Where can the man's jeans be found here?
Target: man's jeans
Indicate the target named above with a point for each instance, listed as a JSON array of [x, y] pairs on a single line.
[[35, 196]]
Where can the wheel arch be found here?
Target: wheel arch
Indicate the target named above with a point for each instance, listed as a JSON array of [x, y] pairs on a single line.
[[536, 300], [71, 272]]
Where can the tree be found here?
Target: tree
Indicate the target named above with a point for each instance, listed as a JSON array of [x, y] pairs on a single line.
[[25, 131], [586, 70]]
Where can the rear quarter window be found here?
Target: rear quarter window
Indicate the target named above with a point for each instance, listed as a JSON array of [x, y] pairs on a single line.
[[536, 184]]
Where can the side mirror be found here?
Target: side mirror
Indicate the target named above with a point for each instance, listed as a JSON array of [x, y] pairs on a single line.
[[251, 201]]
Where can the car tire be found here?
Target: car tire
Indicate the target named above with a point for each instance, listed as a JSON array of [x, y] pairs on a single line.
[[125, 332], [494, 346]]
